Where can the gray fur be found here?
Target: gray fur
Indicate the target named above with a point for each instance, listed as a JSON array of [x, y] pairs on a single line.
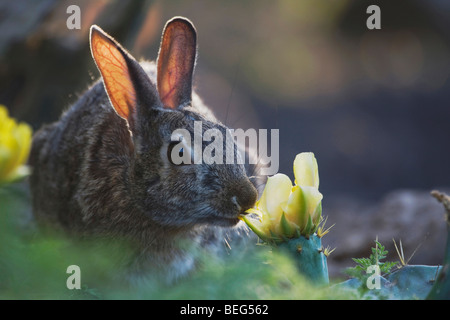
[[93, 177]]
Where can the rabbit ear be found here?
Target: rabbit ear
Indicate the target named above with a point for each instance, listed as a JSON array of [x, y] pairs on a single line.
[[176, 62], [125, 81]]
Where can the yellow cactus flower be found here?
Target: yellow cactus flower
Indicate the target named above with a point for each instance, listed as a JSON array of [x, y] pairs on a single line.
[[15, 144], [306, 171], [284, 210]]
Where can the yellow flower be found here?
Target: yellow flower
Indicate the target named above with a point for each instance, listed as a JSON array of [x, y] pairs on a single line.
[[284, 210], [15, 143]]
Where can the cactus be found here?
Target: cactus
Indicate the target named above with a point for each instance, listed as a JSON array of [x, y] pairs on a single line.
[[290, 218], [310, 257], [441, 289], [408, 282]]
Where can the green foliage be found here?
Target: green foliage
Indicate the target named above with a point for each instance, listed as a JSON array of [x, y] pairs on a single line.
[[407, 283], [360, 273], [378, 254], [33, 266]]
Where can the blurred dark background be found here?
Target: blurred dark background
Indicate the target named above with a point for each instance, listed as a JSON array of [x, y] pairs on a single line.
[[373, 105]]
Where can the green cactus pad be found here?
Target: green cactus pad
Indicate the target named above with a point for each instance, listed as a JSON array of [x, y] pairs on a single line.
[[309, 256]]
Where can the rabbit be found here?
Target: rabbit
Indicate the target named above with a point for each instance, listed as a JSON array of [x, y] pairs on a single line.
[[104, 168]]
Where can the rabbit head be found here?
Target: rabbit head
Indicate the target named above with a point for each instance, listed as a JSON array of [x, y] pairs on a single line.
[[170, 194]]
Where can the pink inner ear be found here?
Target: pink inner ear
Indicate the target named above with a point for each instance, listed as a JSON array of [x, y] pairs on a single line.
[[176, 63], [113, 67], [168, 87]]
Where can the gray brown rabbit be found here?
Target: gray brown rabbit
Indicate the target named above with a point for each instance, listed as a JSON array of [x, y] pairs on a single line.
[[104, 169]]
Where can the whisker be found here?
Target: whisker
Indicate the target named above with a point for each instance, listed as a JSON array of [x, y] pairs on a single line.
[[204, 210]]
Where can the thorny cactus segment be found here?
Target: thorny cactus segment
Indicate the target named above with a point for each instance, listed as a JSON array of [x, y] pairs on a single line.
[[310, 257]]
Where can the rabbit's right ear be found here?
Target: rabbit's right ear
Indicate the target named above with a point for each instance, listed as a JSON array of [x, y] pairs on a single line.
[[176, 60], [125, 81]]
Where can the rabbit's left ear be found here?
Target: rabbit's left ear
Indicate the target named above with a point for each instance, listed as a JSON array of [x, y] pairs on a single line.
[[126, 83], [176, 62]]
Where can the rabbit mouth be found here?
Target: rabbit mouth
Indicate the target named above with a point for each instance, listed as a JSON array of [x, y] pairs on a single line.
[[208, 215]]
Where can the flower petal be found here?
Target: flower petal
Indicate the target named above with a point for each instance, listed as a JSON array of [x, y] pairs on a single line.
[[295, 208], [5, 155], [275, 195], [286, 227], [23, 135], [306, 171], [303, 203], [258, 227], [317, 215], [9, 153], [313, 200], [15, 143]]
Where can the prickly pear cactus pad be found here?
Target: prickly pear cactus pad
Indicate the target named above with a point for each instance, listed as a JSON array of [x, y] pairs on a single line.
[[407, 283], [290, 217], [310, 257]]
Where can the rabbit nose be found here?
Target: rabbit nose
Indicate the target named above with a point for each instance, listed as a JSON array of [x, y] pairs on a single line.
[[246, 196]]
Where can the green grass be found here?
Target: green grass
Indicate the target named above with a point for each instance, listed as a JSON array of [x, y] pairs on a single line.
[[33, 266]]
